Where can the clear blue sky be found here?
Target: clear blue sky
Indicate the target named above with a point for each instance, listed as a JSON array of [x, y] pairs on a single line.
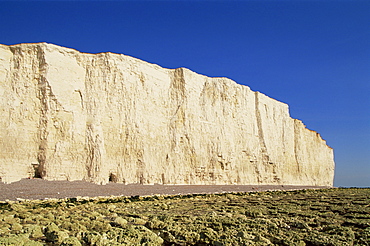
[[312, 55]]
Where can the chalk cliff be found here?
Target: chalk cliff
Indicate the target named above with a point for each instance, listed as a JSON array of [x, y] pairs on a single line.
[[67, 115]]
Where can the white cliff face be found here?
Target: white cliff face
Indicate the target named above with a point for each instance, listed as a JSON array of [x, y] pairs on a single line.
[[67, 115]]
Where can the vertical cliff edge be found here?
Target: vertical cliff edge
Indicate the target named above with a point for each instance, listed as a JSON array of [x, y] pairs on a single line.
[[67, 115]]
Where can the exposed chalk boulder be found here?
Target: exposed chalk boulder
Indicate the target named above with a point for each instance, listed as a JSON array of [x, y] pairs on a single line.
[[67, 115]]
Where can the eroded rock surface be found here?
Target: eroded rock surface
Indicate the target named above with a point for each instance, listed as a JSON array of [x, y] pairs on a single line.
[[67, 115]]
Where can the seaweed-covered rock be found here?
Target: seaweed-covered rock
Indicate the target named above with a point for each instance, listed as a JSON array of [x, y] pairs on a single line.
[[167, 236], [134, 235], [93, 238], [53, 234], [99, 226], [155, 224], [260, 240], [16, 228], [208, 235], [18, 240], [245, 235], [34, 231], [119, 221], [33, 243], [71, 241], [13, 240]]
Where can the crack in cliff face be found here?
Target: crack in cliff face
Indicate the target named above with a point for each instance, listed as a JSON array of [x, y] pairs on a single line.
[[177, 93], [49, 104], [93, 142], [266, 161], [43, 95], [181, 145], [296, 138], [94, 136], [18, 57], [177, 100], [265, 157], [259, 125]]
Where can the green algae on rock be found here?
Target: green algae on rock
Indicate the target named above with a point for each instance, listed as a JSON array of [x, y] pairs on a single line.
[[307, 217]]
